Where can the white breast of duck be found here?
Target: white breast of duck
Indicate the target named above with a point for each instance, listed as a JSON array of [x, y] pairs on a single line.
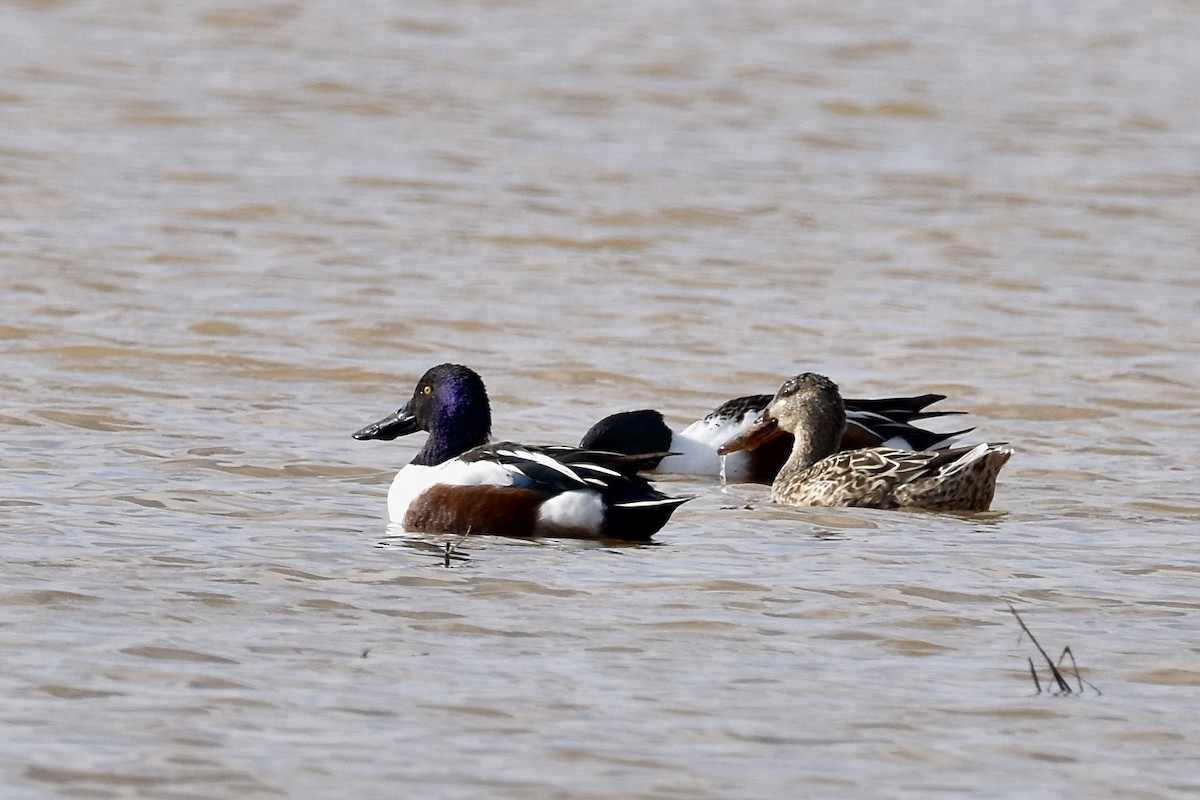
[[580, 510], [415, 479], [697, 445]]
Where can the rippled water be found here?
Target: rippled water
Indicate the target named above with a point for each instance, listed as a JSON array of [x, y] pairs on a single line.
[[231, 236]]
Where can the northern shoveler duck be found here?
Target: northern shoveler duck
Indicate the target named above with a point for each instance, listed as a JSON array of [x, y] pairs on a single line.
[[810, 407], [693, 451], [458, 483]]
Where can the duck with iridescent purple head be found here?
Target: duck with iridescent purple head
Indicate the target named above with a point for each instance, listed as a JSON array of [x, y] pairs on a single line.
[[460, 483]]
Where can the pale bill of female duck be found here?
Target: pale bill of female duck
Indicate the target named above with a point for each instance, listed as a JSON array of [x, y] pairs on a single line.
[[810, 408], [458, 483]]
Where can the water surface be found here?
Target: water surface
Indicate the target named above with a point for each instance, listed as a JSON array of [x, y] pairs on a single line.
[[230, 237]]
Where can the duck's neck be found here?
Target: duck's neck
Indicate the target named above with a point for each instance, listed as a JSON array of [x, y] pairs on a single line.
[[439, 449], [453, 436], [819, 436]]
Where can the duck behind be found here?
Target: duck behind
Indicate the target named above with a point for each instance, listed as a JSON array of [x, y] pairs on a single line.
[[694, 450], [458, 483]]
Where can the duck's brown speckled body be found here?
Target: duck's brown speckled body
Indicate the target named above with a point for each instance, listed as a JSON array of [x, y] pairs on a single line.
[[810, 407]]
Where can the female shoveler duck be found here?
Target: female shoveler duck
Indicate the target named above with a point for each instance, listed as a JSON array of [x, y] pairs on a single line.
[[460, 484], [816, 474], [693, 451]]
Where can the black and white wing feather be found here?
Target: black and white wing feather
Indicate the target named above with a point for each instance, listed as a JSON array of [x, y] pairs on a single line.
[[557, 469]]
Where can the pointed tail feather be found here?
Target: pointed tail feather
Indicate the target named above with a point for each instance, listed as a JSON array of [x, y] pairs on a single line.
[[910, 437], [900, 409], [638, 520]]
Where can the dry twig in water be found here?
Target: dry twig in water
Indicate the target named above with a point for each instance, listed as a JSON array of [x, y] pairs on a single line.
[[1059, 680], [451, 549]]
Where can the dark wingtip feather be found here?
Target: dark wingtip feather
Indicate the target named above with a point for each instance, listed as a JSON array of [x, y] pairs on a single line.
[[921, 439], [638, 522], [900, 409]]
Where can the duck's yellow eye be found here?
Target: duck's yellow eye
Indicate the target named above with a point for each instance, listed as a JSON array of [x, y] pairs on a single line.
[[428, 390]]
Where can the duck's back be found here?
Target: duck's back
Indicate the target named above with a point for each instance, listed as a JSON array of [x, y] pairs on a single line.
[[864, 478], [966, 484], [960, 479]]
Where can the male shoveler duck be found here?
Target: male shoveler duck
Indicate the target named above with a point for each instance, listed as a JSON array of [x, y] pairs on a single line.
[[810, 407], [458, 483], [693, 451]]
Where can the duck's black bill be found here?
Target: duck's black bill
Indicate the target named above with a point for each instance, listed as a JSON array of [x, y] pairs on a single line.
[[402, 423]]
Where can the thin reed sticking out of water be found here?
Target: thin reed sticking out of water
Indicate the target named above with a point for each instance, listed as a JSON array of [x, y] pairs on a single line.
[[451, 550], [1063, 686]]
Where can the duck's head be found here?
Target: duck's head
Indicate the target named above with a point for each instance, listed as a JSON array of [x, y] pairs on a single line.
[[451, 403], [629, 432], [807, 406]]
